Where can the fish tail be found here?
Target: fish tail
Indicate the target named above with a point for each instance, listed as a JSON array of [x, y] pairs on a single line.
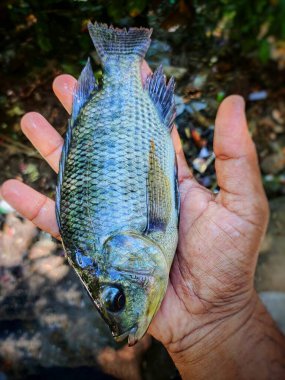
[[110, 41]]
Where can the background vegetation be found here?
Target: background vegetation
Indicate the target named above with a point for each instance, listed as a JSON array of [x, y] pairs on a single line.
[[231, 46]]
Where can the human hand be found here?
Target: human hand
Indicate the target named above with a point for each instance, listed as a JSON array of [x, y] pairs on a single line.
[[210, 293]]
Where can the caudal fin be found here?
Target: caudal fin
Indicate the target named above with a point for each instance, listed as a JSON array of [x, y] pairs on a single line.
[[110, 41]]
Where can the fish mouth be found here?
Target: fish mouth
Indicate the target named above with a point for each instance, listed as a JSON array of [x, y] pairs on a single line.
[[131, 334]]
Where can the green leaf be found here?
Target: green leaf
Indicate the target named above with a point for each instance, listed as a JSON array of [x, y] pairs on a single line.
[[264, 51], [16, 110]]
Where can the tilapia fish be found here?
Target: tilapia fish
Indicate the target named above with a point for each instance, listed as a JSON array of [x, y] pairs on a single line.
[[117, 194]]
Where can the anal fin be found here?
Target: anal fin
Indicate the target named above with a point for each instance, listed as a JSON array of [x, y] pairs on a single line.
[[85, 85]]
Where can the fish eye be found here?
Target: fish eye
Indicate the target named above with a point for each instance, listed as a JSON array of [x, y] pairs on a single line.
[[114, 299]]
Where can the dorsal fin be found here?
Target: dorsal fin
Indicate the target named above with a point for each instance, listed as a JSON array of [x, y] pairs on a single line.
[[62, 162], [83, 89], [162, 95], [85, 85]]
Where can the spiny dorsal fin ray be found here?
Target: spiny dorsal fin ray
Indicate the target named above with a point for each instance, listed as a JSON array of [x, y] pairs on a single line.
[[177, 193], [110, 41], [158, 195], [83, 89], [85, 85], [162, 95]]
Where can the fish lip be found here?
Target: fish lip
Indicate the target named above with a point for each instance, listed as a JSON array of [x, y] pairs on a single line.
[[132, 340]]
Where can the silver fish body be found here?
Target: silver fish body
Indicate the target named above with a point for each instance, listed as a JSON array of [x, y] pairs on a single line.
[[117, 196]]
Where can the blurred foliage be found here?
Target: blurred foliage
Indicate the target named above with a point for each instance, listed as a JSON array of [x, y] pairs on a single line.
[[32, 31], [40, 39], [246, 23], [224, 46]]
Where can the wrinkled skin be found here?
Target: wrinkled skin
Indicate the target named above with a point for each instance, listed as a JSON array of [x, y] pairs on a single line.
[[211, 280]]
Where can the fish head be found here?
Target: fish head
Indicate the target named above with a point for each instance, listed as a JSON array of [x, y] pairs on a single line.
[[132, 286]]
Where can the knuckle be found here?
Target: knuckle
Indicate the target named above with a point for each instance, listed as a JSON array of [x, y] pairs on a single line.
[[38, 210]]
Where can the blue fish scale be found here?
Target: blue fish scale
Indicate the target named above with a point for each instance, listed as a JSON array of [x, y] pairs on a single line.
[[105, 179]]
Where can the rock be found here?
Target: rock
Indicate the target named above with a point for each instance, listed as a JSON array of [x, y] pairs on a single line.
[[42, 248], [196, 106], [15, 238], [5, 208], [124, 363], [52, 267], [257, 95], [277, 116], [273, 163], [180, 105], [275, 304], [173, 71]]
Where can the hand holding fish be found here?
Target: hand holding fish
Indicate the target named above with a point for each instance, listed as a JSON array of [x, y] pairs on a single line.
[[211, 320]]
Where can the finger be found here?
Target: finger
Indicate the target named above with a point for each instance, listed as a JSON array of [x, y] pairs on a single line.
[[34, 206], [63, 87], [44, 137], [236, 164], [145, 71]]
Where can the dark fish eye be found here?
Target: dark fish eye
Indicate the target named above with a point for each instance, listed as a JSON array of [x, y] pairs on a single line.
[[113, 298]]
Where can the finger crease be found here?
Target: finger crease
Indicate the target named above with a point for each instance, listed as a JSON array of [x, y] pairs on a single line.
[[184, 178], [39, 210], [46, 156], [225, 157]]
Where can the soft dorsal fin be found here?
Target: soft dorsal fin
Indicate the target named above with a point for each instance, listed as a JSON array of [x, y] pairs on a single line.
[[85, 85], [83, 89], [158, 195], [162, 95]]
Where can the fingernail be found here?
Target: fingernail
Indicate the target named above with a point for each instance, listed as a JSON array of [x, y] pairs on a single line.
[[63, 87], [64, 84], [30, 121]]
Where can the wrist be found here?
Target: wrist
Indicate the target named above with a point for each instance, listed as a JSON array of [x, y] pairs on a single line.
[[230, 347]]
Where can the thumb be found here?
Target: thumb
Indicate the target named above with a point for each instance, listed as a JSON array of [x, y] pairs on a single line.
[[237, 168]]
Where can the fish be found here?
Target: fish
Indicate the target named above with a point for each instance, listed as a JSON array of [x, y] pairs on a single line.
[[117, 194]]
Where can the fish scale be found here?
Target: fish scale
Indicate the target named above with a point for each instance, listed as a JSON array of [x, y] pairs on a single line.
[[117, 195]]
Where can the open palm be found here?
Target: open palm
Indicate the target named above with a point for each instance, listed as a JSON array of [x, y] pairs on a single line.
[[219, 235]]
